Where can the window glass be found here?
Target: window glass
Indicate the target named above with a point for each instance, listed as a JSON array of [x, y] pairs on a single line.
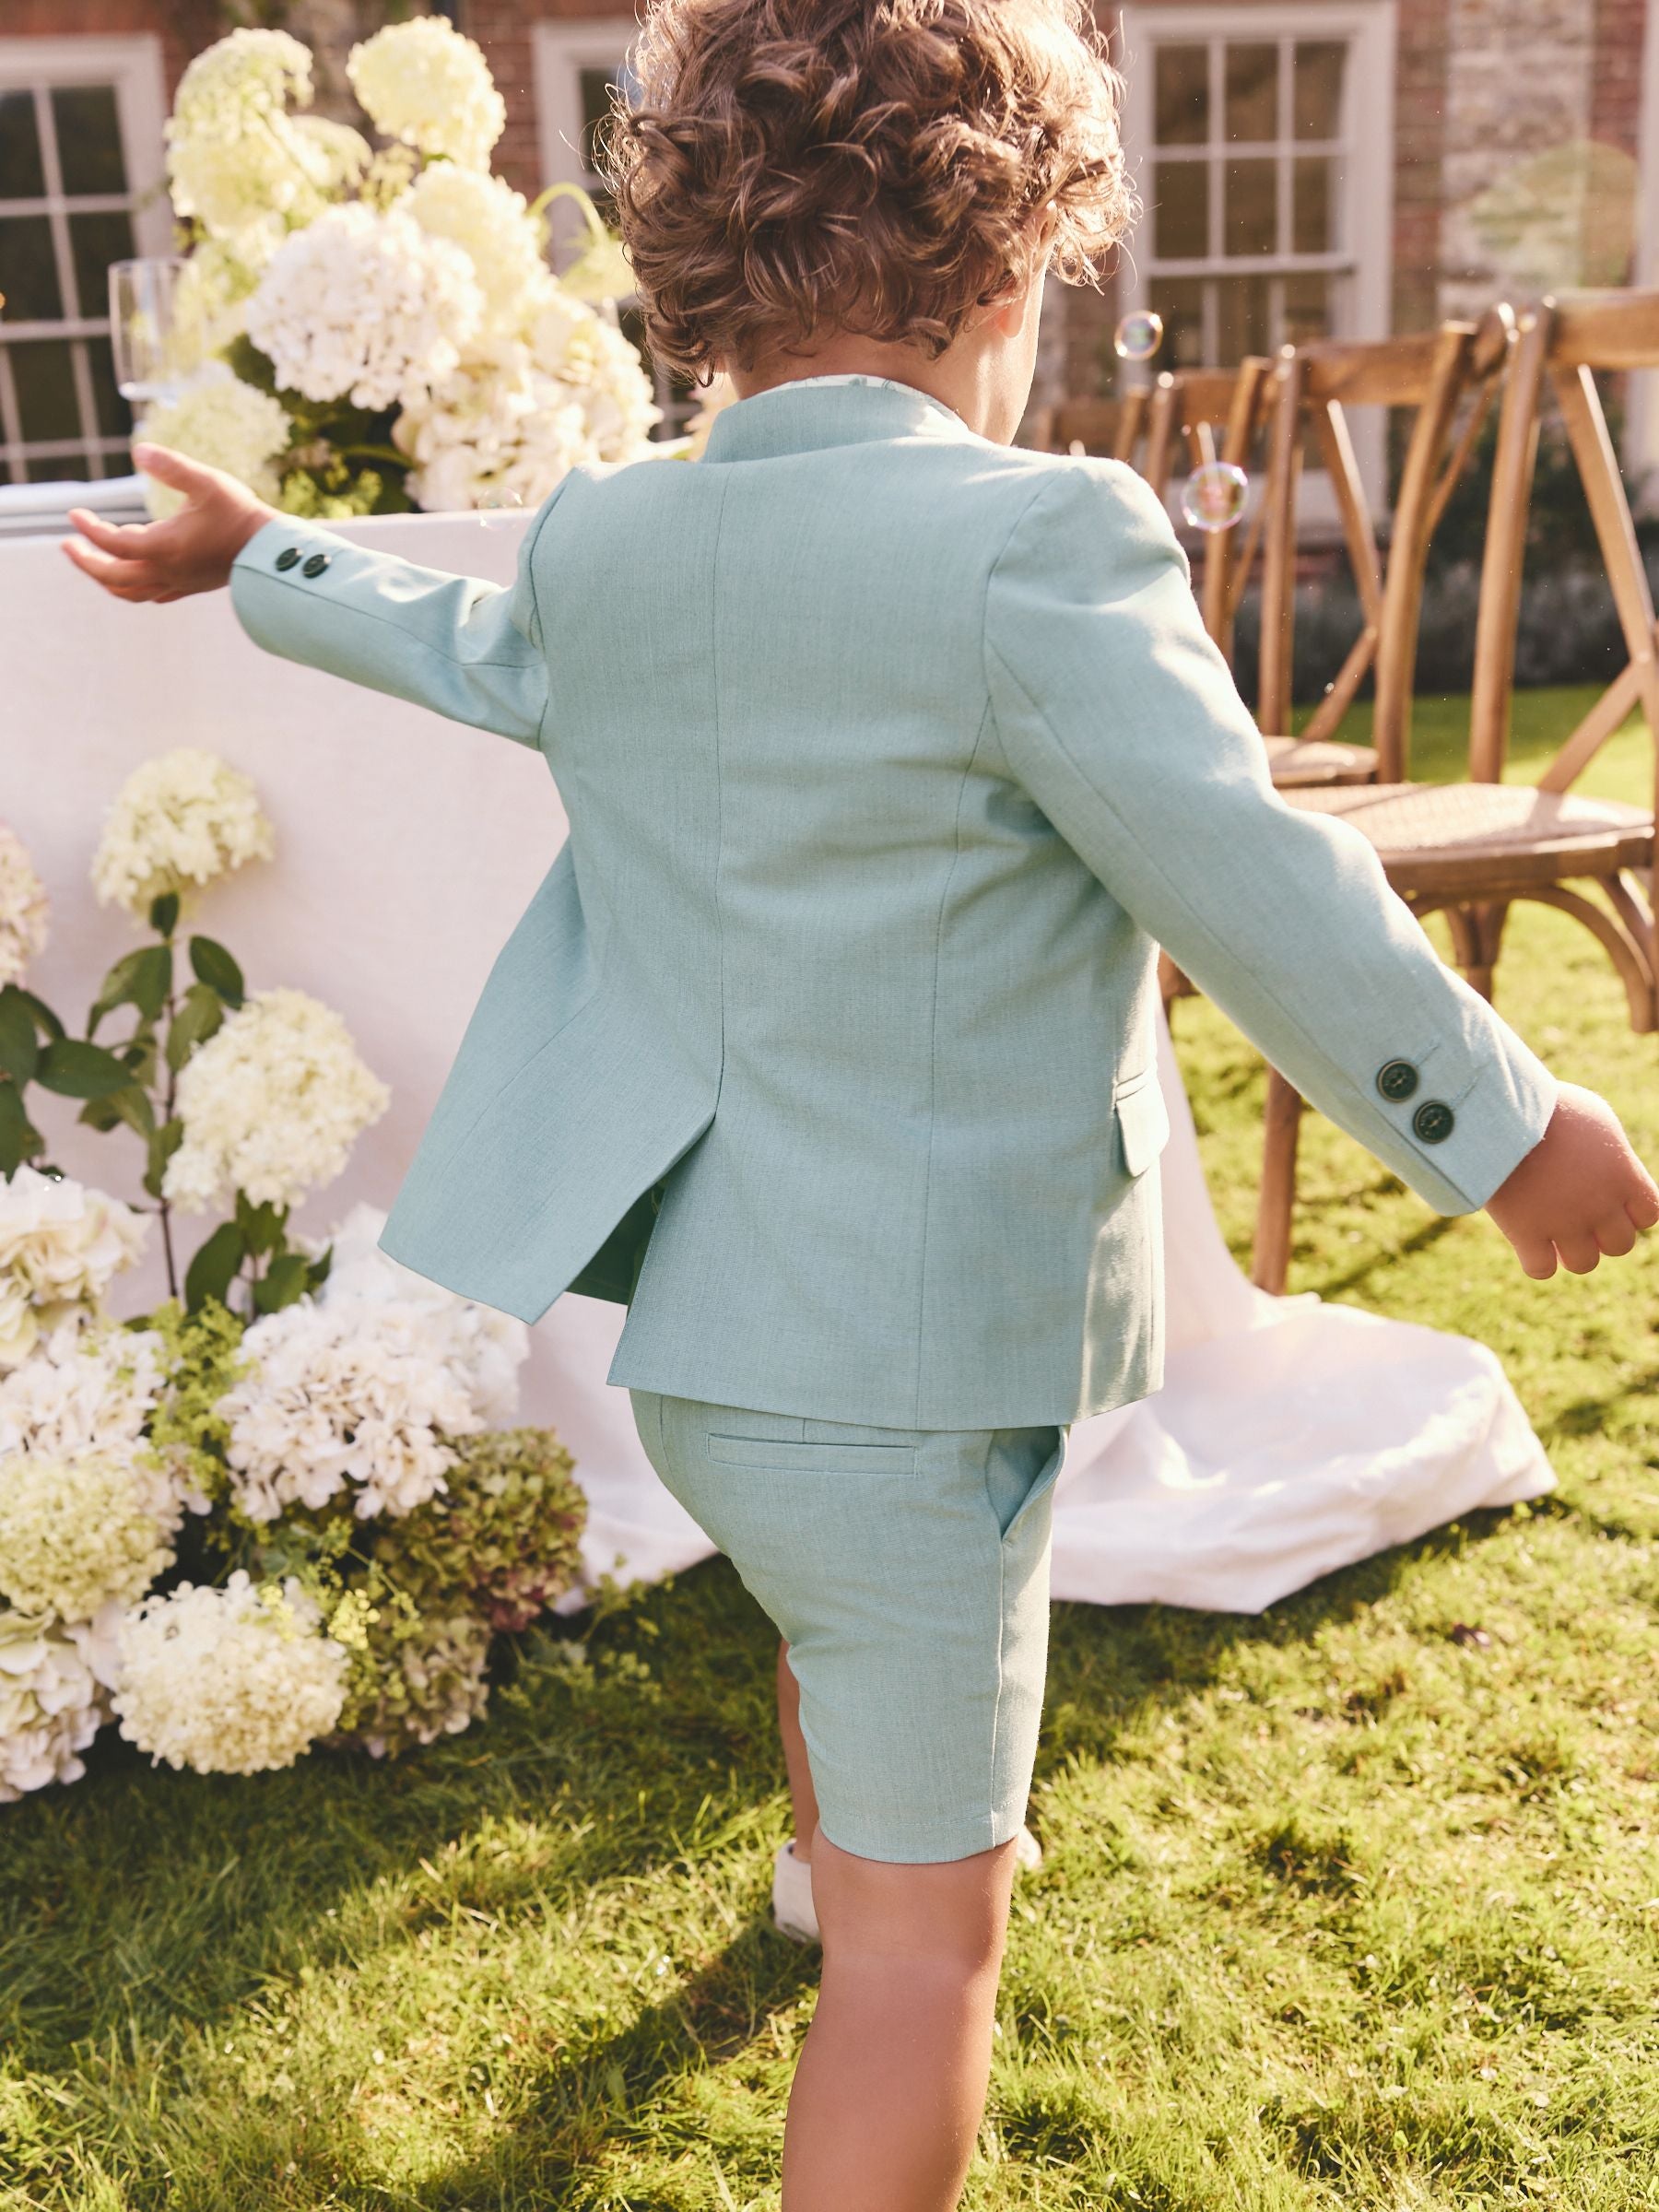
[[1180, 210], [1180, 302], [88, 137], [1318, 88], [114, 417], [1311, 230], [1180, 95], [44, 377], [95, 240], [31, 290], [22, 175], [1242, 317], [1252, 207], [1253, 92]]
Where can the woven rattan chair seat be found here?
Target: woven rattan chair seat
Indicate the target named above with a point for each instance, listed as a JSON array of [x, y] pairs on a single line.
[[1487, 837], [1299, 764]]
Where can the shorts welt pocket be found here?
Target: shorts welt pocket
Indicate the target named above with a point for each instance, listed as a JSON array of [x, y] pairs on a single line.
[[780, 1453]]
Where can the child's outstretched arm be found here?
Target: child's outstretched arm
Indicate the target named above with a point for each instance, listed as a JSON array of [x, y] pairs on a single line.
[[1121, 718], [466, 649]]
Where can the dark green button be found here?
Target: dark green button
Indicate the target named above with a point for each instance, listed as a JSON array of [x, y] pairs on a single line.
[[1397, 1080], [1434, 1120], [288, 556], [315, 565]]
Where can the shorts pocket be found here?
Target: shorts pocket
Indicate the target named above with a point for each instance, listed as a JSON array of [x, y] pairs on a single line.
[[780, 1454], [1047, 1476]]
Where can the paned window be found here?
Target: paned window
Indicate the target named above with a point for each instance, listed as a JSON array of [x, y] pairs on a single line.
[[80, 147], [1261, 140]]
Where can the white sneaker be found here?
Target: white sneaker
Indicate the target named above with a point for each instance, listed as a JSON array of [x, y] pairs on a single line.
[[791, 1896], [792, 1909]]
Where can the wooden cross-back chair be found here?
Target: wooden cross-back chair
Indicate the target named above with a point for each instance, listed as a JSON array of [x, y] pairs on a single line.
[[1471, 849]]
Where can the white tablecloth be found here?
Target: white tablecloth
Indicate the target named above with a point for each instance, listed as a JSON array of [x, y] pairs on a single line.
[[1290, 1437]]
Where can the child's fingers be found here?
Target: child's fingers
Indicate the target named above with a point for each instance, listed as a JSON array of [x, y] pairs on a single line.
[[123, 539], [1580, 1254], [1643, 1206], [174, 470], [1617, 1234], [124, 578], [1537, 1255]]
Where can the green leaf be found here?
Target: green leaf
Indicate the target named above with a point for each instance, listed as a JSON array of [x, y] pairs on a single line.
[[118, 987], [79, 1070], [262, 1225], [318, 1270], [163, 1142], [20, 1140], [45, 1019], [101, 1114], [283, 1281], [201, 1011], [208, 1275], [216, 969], [164, 913], [152, 979], [18, 1051]]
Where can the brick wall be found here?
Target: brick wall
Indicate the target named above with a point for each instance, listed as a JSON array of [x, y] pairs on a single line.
[[184, 27]]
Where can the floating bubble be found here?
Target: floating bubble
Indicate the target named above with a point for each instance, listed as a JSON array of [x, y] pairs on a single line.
[[1213, 497], [1138, 336], [499, 503]]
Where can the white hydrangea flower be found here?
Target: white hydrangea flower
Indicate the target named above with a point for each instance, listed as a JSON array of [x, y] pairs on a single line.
[[183, 817], [484, 1347], [248, 75], [272, 1103], [422, 82], [491, 224], [220, 277], [234, 185], [582, 349], [218, 419], [365, 305], [341, 154], [61, 1245], [93, 1387], [231, 1681], [23, 907], [52, 1704], [76, 1532], [360, 1394]]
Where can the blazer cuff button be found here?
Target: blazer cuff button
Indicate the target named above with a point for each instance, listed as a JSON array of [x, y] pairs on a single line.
[[1434, 1120], [315, 565], [1396, 1079], [289, 556]]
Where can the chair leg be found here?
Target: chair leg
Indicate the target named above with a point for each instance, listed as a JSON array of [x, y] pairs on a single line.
[[1270, 1257]]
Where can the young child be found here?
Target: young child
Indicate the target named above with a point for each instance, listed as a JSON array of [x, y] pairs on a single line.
[[890, 753]]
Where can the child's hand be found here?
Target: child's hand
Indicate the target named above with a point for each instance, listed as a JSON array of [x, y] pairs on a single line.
[[190, 551], [1579, 1192]]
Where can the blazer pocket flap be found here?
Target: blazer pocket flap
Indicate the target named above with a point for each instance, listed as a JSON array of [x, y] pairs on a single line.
[[1143, 1123]]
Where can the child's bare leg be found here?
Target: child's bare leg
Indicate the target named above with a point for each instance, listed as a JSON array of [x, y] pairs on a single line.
[[891, 2081], [801, 1794]]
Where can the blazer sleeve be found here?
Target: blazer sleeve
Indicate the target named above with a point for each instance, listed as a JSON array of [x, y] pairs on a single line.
[[1119, 717], [468, 650]]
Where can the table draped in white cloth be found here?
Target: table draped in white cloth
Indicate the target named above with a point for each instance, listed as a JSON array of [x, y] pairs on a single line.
[[1290, 1437]]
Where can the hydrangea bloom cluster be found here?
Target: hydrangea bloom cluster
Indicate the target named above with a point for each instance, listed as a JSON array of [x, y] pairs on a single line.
[[235, 1680], [23, 907], [219, 420], [76, 1534], [272, 1102], [236, 161], [357, 1398], [491, 225], [61, 1244], [181, 819], [365, 307], [431, 1685], [506, 1531], [52, 1703], [422, 82], [100, 1388]]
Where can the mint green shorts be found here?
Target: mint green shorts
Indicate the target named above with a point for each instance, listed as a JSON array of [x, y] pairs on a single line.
[[908, 1570]]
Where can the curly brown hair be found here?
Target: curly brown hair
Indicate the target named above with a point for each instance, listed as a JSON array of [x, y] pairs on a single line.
[[872, 166]]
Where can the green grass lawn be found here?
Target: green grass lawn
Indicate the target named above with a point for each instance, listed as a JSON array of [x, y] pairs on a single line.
[[1339, 1909]]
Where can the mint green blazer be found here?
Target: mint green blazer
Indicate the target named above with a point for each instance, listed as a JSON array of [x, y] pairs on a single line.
[[890, 755]]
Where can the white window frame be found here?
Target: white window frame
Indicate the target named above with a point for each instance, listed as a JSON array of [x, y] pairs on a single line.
[[560, 51], [1365, 252], [133, 66]]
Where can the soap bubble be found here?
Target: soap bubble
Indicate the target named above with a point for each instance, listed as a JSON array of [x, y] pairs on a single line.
[[1213, 497], [499, 503], [1138, 336]]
